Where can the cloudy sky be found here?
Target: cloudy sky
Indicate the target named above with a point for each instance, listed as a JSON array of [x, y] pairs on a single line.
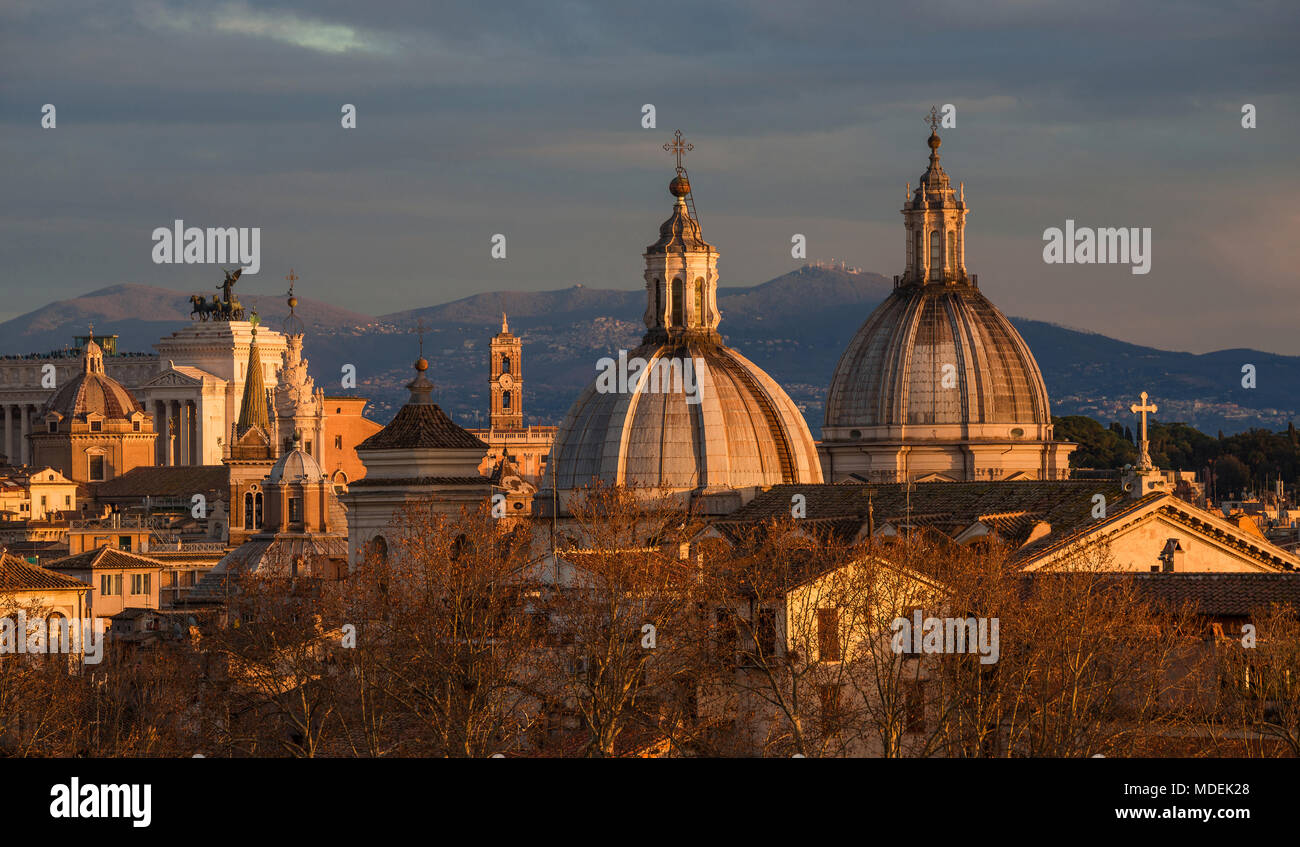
[[525, 119]]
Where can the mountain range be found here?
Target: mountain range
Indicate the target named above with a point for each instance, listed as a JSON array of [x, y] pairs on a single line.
[[794, 327]]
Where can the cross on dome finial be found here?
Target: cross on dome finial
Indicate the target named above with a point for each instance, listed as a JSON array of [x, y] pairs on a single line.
[[933, 120], [678, 147]]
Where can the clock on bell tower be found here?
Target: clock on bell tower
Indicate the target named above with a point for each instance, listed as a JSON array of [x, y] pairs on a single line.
[[506, 380]]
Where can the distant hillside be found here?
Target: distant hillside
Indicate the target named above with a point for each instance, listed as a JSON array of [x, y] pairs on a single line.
[[141, 314], [794, 327]]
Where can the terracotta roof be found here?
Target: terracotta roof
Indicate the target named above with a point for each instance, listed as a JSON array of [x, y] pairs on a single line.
[[180, 481], [19, 575], [1221, 594], [104, 557], [422, 426], [949, 507]]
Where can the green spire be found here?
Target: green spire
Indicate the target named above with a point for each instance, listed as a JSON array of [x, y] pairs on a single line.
[[252, 411]]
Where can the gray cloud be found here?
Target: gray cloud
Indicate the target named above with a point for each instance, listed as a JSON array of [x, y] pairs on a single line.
[[524, 119]]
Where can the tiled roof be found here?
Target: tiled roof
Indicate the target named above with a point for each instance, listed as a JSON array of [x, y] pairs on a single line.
[[949, 507], [1223, 594], [19, 575], [177, 481], [419, 426], [105, 557]]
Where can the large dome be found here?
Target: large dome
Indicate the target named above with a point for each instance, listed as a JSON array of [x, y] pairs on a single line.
[[686, 412], [936, 354], [745, 431], [937, 384], [93, 392]]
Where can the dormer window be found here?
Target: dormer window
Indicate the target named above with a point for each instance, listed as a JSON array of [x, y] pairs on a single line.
[[135, 425], [96, 426], [54, 426]]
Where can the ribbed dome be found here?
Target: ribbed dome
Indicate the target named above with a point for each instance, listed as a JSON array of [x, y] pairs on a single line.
[[295, 467], [745, 431], [93, 392], [893, 373]]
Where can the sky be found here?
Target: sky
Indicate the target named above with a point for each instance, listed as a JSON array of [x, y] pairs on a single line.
[[525, 120]]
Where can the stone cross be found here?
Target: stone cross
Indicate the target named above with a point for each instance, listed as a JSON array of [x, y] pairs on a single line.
[[1144, 455]]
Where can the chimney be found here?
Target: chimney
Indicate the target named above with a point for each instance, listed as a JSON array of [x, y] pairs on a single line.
[[1171, 557]]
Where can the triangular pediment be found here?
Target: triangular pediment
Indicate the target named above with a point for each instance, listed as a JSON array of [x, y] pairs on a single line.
[[1136, 536], [173, 378]]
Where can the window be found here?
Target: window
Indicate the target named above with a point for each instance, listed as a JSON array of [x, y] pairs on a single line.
[[338, 442], [936, 258], [828, 635], [379, 549], [952, 249], [96, 426], [505, 400], [307, 448], [253, 510], [916, 250], [765, 632], [124, 542], [659, 302], [67, 499], [135, 426], [54, 426], [96, 468], [140, 583], [678, 303], [724, 634], [295, 509], [830, 701], [699, 302], [911, 648], [505, 364], [42, 501], [110, 585], [914, 706]]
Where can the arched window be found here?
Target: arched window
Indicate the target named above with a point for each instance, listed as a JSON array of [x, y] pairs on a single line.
[[699, 302], [936, 257], [679, 302], [659, 303], [505, 400], [257, 510], [379, 549], [248, 510], [505, 364], [952, 249], [917, 255]]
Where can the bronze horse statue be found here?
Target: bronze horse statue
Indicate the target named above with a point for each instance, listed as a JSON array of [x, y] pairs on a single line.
[[202, 308]]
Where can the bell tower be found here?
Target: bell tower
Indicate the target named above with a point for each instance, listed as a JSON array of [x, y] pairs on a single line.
[[506, 380]]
